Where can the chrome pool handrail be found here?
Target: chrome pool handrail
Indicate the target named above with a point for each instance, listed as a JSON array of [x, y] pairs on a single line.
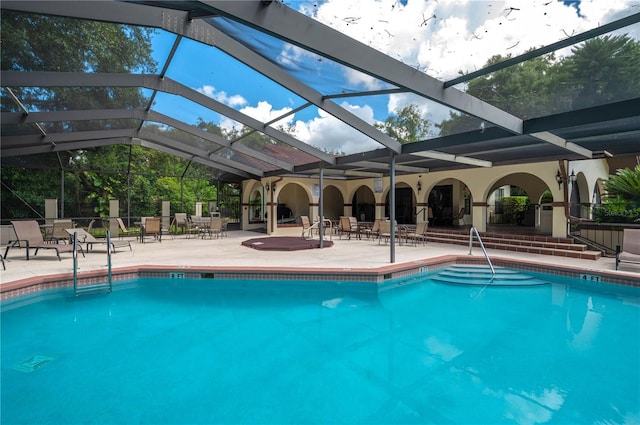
[[471, 231]]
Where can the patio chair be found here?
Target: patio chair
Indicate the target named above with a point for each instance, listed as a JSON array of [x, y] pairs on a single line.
[[460, 217], [384, 231], [214, 228], [223, 227], [59, 233], [87, 238], [123, 229], [374, 230], [306, 226], [348, 225], [180, 220], [151, 227], [28, 235], [420, 234], [630, 252]]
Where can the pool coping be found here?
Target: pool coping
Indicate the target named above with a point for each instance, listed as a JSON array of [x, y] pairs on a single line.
[[376, 275]]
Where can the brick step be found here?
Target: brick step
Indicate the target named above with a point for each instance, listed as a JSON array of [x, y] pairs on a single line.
[[537, 238], [505, 245], [487, 239]]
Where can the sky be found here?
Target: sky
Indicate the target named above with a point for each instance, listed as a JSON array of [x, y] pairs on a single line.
[[438, 37]]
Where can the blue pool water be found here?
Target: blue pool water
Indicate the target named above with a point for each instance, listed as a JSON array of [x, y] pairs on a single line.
[[205, 351]]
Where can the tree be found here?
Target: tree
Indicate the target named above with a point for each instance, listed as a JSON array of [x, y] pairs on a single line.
[[525, 90], [33, 42], [600, 70], [406, 125], [603, 69]]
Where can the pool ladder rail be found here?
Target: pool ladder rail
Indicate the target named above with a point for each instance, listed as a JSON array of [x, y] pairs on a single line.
[[96, 287]]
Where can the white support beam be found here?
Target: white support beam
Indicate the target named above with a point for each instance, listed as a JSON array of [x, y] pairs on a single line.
[[560, 142], [454, 158]]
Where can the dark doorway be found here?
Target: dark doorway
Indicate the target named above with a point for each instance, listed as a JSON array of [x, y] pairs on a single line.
[[441, 203], [404, 206]]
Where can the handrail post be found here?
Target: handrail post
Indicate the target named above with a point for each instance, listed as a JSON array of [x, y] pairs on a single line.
[[75, 263], [109, 259], [473, 229]]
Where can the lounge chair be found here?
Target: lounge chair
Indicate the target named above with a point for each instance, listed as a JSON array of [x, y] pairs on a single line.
[[87, 238], [123, 229], [28, 236], [630, 252], [59, 234]]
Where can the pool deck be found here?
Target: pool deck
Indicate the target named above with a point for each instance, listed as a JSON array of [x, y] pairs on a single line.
[[346, 255]]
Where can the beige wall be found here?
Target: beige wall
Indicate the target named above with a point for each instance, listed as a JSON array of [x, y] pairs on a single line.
[[535, 178]]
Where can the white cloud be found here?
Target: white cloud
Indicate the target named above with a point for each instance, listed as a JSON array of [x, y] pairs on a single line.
[[263, 112], [328, 132], [222, 96], [439, 38], [448, 36]]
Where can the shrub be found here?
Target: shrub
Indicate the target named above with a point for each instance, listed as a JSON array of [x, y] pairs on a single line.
[[515, 208]]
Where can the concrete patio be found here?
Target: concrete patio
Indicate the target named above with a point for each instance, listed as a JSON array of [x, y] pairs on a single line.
[[228, 252]]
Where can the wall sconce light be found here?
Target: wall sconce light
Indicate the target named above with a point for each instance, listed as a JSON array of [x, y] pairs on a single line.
[[559, 179], [573, 177], [419, 186], [273, 187], [266, 186]]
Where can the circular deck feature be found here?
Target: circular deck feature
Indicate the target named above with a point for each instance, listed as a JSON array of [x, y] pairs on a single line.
[[285, 243]]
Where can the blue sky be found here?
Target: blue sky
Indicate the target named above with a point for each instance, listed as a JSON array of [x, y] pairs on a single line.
[[440, 38]]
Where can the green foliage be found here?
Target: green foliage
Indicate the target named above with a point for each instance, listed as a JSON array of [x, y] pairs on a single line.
[[514, 208], [601, 70], [622, 202], [547, 197], [626, 184], [406, 125], [617, 210]]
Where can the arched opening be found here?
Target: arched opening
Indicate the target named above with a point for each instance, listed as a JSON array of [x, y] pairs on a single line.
[[579, 202], [522, 200], [364, 204], [450, 203], [292, 202], [256, 208], [333, 203]]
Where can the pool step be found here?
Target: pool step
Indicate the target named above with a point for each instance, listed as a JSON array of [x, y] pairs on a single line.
[[481, 275], [93, 289], [532, 244]]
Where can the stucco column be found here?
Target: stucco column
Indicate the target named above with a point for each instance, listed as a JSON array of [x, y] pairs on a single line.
[[379, 209], [314, 212], [479, 216], [559, 227], [114, 213]]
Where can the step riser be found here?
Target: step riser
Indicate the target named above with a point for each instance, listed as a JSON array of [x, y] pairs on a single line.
[[512, 242], [584, 255]]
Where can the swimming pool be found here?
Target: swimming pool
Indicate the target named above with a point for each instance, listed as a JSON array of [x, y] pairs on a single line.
[[415, 351]]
